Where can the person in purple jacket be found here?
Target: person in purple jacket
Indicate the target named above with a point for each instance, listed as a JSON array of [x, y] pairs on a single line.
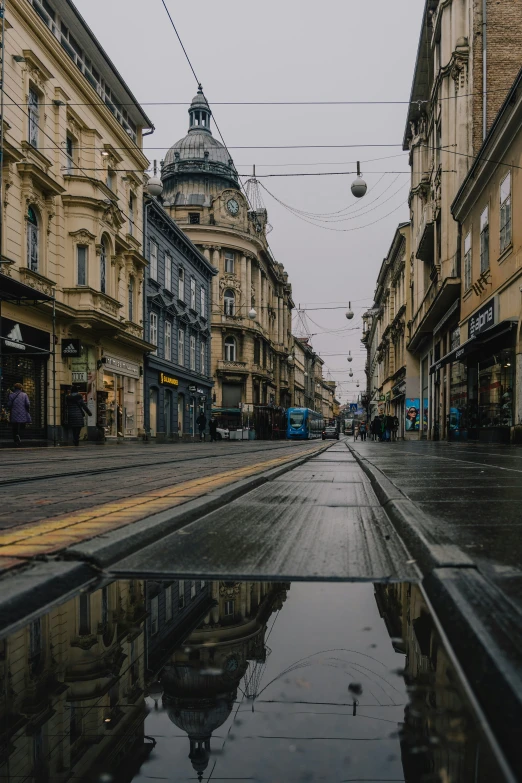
[[19, 406]]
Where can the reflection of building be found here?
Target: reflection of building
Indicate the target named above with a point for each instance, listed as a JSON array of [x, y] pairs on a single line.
[[72, 701], [201, 680], [71, 225], [439, 737], [251, 297]]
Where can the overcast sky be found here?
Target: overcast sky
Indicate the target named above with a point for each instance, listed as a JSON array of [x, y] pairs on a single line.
[[290, 50]]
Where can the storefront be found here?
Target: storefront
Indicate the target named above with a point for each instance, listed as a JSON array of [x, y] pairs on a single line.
[[25, 351], [173, 402], [117, 400], [481, 374]]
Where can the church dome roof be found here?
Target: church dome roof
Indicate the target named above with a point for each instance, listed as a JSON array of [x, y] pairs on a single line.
[[198, 151]]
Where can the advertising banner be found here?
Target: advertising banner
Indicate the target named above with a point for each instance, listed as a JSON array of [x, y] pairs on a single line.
[[412, 418]]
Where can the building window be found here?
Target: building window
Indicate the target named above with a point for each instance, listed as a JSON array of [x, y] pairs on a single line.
[[105, 607], [181, 594], [229, 262], [81, 256], [69, 152], [132, 200], [257, 352], [193, 589], [168, 272], [32, 240], [153, 329], [505, 212], [192, 352], [467, 261], [192, 293], [168, 603], [110, 179], [229, 608], [181, 347], [168, 340], [194, 218], [153, 260], [33, 114], [181, 284], [484, 240], [103, 267], [202, 357], [230, 302], [230, 349], [154, 616], [203, 302], [84, 626], [130, 293], [35, 639]]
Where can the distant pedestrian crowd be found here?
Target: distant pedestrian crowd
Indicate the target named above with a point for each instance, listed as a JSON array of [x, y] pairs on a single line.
[[381, 428]]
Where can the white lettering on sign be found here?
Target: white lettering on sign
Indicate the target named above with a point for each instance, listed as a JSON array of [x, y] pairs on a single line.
[[79, 377], [70, 349], [481, 321], [14, 338], [122, 366]]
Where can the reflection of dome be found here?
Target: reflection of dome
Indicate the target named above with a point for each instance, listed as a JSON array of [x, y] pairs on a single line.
[[198, 153]]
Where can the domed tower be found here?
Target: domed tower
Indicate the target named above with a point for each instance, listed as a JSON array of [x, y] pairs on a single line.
[[197, 167], [251, 299]]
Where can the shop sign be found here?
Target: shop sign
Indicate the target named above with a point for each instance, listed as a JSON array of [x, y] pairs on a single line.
[[121, 366], [71, 347], [483, 319], [20, 338], [196, 390], [79, 376], [168, 380]]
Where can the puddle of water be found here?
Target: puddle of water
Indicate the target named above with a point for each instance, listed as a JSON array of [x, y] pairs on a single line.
[[249, 681]]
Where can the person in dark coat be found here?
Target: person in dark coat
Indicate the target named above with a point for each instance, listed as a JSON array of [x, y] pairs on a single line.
[[201, 421], [376, 428], [213, 429], [19, 406], [75, 409]]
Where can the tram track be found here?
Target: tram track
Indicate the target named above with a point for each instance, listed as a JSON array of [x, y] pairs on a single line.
[[103, 469]]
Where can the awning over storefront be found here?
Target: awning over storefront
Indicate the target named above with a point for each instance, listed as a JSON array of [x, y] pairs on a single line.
[[473, 344], [13, 291]]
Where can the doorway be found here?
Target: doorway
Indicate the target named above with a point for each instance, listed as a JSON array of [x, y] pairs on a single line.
[[167, 411], [153, 411], [181, 408]]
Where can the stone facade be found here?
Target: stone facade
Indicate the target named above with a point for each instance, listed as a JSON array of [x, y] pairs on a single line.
[[72, 220], [251, 294]]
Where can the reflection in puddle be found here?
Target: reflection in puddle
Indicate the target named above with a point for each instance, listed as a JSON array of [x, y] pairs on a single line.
[[258, 681]]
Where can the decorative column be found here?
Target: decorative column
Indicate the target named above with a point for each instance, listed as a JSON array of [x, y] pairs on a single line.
[[244, 306], [280, 320], [214, 308], [249, 282], [259, 296], [265, 303]]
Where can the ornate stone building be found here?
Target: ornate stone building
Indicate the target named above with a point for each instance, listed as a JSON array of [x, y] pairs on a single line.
[[251, 296], [71, 239]]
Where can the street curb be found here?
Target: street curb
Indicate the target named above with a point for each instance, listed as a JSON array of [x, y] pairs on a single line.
[[412, 524], [27, 593], [484, 630], [483, 627], [107, 548]]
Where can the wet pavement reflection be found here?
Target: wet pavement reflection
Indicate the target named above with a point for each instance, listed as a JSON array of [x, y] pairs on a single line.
[[251, 681]]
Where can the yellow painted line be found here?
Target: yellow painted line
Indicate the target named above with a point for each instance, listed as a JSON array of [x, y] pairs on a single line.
[[63, 530]]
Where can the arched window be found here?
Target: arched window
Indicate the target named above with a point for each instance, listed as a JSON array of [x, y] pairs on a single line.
[[103, 268], [230, 302], [230, 349], [33, 231]]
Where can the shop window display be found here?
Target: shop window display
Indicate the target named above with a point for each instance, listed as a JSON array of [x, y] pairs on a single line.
[[495, 397], [120, 405]]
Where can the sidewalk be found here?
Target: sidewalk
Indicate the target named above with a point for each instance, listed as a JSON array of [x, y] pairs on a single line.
[[471, 495], [457, 507]]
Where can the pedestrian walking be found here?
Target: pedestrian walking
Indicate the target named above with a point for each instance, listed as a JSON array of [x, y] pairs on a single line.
[[376, 428], [395, 429], [388, 427], [355, 431], [76, 407], [212, 428], [201, 421], [18, 406], [362, 430]]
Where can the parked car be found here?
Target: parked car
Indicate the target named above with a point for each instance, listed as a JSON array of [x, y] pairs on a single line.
[[223, 433], [330, 432]]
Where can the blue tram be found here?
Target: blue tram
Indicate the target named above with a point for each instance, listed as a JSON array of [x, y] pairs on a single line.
[[303, 423]]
